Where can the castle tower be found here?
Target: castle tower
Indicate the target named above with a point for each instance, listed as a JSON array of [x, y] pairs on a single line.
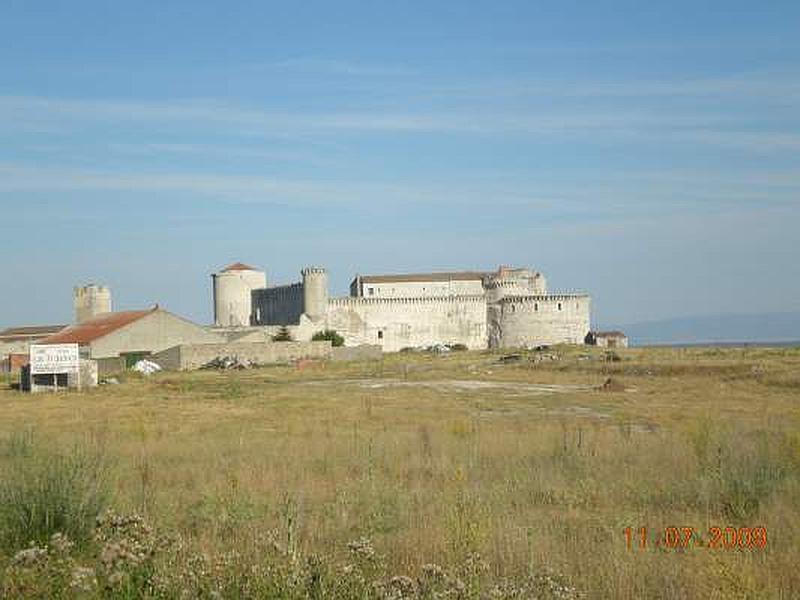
[[233, 292], [90, 300], [509, 281], [315, 292]]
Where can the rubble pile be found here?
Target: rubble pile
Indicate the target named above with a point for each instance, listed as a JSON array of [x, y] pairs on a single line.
[[228, 363], [146, 367]]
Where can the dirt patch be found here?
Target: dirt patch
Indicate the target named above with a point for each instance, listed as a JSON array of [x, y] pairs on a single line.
[[464, 384], [611, 385]]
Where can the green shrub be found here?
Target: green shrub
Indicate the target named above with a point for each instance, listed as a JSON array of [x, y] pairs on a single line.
[[330, 335], [44, 492]]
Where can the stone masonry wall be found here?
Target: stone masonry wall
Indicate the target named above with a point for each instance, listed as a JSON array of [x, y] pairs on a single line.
[[396, 323], [532, 320], [281, 305], [416, 289]]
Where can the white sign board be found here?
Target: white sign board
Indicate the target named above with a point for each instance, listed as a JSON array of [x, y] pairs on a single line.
[[54, 358]]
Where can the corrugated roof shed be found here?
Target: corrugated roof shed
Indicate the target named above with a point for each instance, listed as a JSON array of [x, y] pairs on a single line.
[[21, 333], [93, 329]]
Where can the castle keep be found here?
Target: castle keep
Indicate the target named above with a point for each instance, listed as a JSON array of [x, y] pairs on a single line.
[[510, 307]]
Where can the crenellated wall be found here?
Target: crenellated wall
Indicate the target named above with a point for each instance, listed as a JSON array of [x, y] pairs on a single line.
[[396, 323], [416, 289], [508, 309], [516, 321]]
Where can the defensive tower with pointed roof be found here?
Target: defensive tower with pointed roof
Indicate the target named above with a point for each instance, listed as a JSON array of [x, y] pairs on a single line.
[[233, 287]]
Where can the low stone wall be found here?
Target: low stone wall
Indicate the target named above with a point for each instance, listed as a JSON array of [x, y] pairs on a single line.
[[365, 352], [189, 357]]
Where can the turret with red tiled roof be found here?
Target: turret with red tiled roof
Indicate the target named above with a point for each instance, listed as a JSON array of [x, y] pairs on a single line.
[[237, 266]]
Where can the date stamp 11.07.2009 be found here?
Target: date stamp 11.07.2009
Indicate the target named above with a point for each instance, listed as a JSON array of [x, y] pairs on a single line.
[[713, 538]]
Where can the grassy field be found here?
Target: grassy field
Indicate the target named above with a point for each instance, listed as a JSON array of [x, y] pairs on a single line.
[[457, 475]]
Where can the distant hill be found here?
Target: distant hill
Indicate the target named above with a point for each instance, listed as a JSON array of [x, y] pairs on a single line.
[[751, 328]]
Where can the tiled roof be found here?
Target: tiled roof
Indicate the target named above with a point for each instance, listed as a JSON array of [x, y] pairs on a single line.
[[609, 334], [444, 276], [16, 333], [238, 267], [93, 329]]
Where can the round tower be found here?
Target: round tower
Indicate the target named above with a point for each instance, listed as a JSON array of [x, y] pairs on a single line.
[[233, 294], [91, 300], [315, 292]]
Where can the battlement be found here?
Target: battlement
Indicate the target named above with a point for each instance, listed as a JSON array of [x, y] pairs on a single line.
[[345, 301], [278, 289], [494, 284], [544, 297], [90, 300], [90, 290], [510, 307]]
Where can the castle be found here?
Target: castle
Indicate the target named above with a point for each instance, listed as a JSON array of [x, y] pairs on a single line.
[[510, 307]]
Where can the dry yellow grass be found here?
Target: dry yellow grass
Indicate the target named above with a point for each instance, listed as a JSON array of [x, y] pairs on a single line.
[[434, 457]]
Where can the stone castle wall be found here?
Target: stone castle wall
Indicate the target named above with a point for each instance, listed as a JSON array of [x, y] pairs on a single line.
[[397, 323], [513, 310], [280, 305], [516, 321], [417, 289]]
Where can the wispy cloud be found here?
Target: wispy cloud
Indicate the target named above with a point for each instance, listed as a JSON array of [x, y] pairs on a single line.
[[781, 86], [254, 120], [332, 66], [611, 194], [222, 150]]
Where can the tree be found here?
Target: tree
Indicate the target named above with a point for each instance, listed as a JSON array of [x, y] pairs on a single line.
[[283, 335], [330, 335]]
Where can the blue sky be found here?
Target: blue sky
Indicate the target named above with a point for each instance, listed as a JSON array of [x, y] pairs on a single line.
[[648, 153]]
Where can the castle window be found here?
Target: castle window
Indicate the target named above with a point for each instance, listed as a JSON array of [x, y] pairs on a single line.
[[513, 308], [536, 307], [559, 306], [370, 291], [380, 335]]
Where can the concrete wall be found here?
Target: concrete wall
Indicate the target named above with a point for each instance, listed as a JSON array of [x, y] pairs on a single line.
[[280, 305], [603, 341], [111, 365], [188, 357], [394, 324], [155, 332], [86, 377], [517, 321], [16, 347]]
